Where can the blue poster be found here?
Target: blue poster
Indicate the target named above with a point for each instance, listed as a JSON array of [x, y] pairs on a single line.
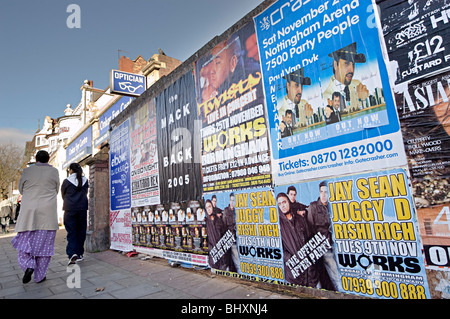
[[364, 235], [119, 157], [327, 88]]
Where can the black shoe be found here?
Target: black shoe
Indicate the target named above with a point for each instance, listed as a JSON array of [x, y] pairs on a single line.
[[27, 276], [43, 279]]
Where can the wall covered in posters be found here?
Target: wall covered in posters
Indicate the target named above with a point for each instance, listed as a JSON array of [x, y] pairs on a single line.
[[283, 154]]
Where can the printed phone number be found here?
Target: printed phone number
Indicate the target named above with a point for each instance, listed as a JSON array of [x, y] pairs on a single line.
[[346, 154], [387, 289], [262, 270]]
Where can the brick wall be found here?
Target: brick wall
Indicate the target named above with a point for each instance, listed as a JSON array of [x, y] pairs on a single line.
[[132, 66]]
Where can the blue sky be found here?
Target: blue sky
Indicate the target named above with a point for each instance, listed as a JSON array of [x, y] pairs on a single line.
[[44, 63]]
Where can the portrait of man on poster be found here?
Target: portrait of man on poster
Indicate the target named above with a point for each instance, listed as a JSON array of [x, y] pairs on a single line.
[[300, 108], [333, 111], [286, 124], [319, 220], [216, 229], [342, 81], [299, 208], [224, 68], [229, 218], [294, 235]]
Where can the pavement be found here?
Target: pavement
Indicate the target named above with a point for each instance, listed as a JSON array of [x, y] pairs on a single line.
[[113, 275]]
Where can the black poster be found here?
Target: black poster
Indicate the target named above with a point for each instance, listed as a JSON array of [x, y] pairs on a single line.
[[417, 35], [178, 142], [423, 109]]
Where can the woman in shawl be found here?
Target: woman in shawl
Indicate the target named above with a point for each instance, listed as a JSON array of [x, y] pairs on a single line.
[[5, 213], [38, 220]]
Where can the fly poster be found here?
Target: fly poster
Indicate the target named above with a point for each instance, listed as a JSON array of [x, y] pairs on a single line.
[[230, 101], [423, 109], [119, 163], [120, 188], [144, 156], [244, 234], [367, 232], [417, 36], [435, 230], [173, 231], [178, 144], [120, 230], [329, 101]]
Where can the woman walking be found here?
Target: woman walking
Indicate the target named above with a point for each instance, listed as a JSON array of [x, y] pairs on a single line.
[[38, 220], [5, 213], [74, 193]]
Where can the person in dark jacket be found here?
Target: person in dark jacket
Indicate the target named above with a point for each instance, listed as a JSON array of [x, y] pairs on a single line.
[[215, 230], [294, 236], [74, 193], [319, 220]]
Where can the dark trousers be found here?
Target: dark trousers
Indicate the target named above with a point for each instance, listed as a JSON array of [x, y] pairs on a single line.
[[75, 223]]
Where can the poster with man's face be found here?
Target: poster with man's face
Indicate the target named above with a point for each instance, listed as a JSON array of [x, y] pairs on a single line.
[[231, 107], [327, 89]]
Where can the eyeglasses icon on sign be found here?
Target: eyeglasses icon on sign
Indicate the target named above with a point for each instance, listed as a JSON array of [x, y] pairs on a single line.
[[128, 87]]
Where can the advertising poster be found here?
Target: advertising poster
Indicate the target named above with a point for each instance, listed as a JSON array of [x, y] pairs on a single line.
[[329, 101], [435, 230], [144, 156], [244, 234], [230, 100], [417, 36], [176, 227], [364, 235], [178, 142], [434, 224], [119, 157], [423, 109], [120, 227]]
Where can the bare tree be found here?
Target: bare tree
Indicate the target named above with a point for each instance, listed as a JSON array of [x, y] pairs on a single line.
[[12, 161]]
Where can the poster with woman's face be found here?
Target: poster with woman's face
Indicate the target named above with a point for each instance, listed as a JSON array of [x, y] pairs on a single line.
[[423, 110]]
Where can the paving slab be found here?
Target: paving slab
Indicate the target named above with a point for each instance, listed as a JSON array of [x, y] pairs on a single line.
[[113, 275]]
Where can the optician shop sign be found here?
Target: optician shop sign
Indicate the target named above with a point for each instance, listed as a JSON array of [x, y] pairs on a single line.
[[127, 83], [79, 148]]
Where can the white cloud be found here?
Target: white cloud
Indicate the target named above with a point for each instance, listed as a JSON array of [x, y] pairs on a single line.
[[14, 136]]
